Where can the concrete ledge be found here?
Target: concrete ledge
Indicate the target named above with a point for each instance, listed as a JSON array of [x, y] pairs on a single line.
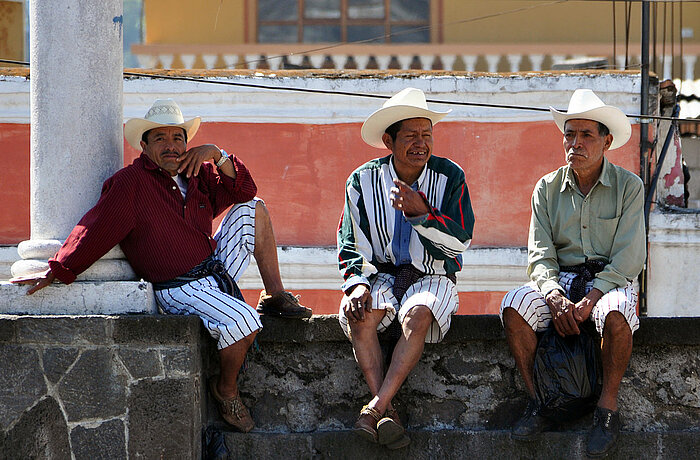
[[79, 298], [458, 444]]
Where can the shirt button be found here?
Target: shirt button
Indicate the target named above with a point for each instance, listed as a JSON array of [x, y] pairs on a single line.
[[174, 187], [585, 226]]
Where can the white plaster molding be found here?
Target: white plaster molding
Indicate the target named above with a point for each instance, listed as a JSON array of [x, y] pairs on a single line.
[[497, 269], [316, 60], [689, 67], [219, 103]]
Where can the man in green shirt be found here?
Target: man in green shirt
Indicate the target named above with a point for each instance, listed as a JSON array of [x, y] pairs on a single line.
[[586, 245]]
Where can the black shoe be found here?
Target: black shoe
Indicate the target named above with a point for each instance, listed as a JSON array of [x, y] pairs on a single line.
[[531, 423], [603, 436]]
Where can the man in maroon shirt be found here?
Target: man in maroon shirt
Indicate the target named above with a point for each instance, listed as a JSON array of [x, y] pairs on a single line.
[[160, 210]]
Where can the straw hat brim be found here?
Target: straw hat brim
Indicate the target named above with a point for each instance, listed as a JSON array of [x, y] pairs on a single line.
[[134, 129], [377, 123], [610, 116]]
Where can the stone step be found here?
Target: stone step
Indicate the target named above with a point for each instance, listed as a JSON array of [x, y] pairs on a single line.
[[454, 444]]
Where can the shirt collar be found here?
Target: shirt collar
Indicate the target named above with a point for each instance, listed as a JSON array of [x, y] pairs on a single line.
[[420, 179], [604, 177]]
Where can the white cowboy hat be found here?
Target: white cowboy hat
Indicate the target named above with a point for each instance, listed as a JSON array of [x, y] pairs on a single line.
[[585, 105], [408, 103], [163, 112]]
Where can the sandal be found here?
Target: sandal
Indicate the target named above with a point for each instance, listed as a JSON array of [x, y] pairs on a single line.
[[390, 431], [232, 410], [366, 425]]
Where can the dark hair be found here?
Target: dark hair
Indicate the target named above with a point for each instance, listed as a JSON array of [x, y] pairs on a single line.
[[396, 127], [603, 130], [144, 136]]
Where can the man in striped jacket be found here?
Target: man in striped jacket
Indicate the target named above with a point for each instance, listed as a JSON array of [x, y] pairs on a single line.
[[406, 221]]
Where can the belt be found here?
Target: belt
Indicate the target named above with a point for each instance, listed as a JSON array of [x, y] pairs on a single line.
[[405, 275], [584, 273], [211, 266]]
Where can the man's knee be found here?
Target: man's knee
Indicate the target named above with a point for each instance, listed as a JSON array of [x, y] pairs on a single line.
[[418, 319], [511, 318], [616, 324]]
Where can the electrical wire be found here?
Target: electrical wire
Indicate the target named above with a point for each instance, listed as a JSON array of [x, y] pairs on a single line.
[[352, 94]]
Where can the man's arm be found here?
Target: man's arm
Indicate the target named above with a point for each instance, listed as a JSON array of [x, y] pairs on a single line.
[[98, 231], [354, 247], [445, 232], [543, 264], [233, 183]]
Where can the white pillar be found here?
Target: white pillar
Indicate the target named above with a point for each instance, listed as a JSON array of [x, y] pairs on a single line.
[[469, 62], [77, 136], [448, 61], [689, 67]]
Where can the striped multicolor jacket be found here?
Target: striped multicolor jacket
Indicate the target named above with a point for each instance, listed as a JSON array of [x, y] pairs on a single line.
[[366, 227]]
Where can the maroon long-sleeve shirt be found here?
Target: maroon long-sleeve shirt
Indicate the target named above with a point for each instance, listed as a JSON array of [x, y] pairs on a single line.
[[141, 209]]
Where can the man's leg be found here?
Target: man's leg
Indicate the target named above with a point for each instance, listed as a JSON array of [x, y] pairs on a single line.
[[232, 358], [407, 352], [522, 342], [265, 252], [616, 319], [524, 310], [616, 353], [368, 353]]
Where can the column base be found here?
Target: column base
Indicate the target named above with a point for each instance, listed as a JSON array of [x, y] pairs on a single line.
[[79, 298]]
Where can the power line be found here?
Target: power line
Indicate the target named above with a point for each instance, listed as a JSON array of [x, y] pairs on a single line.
[[352, 94]]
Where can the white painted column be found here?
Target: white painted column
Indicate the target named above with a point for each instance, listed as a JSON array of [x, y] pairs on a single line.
[[76, 138]]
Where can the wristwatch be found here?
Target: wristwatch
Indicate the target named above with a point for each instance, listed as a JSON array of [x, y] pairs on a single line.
[[222, 160]]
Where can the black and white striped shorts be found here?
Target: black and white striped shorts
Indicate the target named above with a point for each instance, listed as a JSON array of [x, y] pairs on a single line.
[[436, 292], [530, 304], [226, 318]]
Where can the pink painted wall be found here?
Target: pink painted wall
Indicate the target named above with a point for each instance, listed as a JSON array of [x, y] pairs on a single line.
[[301, 171]]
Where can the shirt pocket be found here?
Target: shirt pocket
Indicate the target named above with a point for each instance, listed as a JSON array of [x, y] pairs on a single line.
[[603, 235]]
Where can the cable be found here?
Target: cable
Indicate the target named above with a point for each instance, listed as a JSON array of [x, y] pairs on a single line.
[[353, 94]]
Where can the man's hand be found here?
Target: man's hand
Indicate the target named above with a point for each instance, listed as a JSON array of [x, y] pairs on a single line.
[[562, 310], [38, 280], [356, 303], [583, 308], [405, 199], [192, 159]]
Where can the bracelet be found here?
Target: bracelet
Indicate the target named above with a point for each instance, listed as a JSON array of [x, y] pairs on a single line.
[[222, 160]]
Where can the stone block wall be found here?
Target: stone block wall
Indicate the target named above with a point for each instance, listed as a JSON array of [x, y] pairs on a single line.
[[101, 387], [133, 387]]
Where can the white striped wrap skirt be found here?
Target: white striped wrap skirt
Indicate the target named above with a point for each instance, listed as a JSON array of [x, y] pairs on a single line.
[[530, 304], [227, 319], [436, 292]]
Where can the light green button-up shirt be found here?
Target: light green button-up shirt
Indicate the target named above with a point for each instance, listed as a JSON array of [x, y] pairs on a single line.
[[568, 228]]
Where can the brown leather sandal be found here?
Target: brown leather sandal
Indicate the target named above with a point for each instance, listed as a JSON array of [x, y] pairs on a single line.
[[390, 431], [366, 425]]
